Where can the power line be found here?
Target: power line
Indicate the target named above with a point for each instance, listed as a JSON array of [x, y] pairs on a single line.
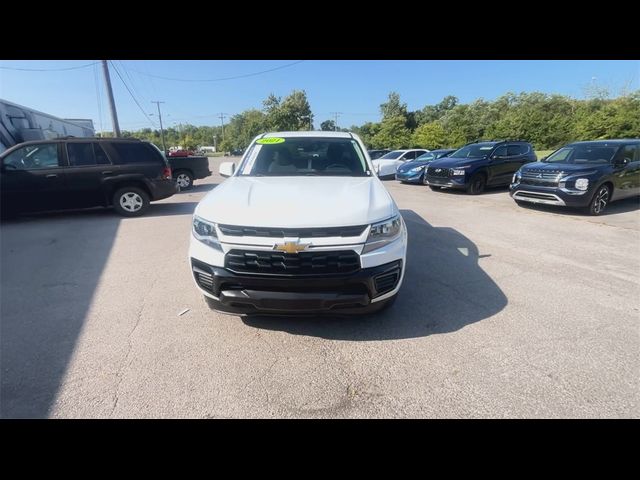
[[130, 93], [49, 69], [222, 78], [131, 82]]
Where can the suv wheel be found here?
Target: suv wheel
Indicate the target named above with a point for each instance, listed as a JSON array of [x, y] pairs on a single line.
[[184, 179], [477, 184], [600, 200], [130, 201]]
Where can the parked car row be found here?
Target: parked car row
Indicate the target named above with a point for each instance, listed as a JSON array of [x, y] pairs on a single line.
[[582, 174], [65, 173]]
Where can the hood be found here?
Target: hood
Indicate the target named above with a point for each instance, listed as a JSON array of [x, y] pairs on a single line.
[[562, 167], [296, 202], [409, 165], [453, 162]]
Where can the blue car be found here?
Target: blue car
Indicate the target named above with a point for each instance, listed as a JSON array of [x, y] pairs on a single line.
[[413, 171]]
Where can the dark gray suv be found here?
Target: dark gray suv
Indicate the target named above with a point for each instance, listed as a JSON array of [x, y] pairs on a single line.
[[480, 164], [65, 173]]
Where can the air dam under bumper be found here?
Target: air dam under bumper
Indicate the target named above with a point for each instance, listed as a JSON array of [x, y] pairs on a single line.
[[550, 195], [281, 295]]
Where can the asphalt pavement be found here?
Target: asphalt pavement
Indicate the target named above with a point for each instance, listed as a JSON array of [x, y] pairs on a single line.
[[505, 312]]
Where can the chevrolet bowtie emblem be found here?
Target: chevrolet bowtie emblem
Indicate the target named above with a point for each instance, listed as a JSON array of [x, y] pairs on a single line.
[[291, 247]]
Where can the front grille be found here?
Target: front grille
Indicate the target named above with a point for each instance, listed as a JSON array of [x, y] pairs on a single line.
[[387, 282], [236, 231], [433, 172], [540, 177], [303, 263]]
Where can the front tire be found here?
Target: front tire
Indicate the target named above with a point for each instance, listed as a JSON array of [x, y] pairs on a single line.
[[130, 201], [599, 201], [477, 184], [184, 179]]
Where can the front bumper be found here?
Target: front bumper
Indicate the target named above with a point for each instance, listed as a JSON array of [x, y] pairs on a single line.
[[243, 294], [549, 195], [410, 177], [447, 182]]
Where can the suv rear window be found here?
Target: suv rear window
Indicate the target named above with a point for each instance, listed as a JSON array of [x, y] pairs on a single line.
[[136, 153], [517, 149]]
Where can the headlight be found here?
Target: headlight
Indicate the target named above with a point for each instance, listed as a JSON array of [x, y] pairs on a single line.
[[457, 172], [582, 184], [383, 233], [516, 177], [416, 169], [205, 232]]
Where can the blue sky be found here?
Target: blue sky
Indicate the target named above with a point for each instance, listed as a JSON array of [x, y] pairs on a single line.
[[354, 87]]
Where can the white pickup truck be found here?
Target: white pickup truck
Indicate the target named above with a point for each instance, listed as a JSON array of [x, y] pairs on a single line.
[[301, 226]]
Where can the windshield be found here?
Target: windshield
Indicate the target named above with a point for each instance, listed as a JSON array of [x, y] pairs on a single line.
[[391, 155], [425, 157], [286, 157], [475, 150], [583, 154]]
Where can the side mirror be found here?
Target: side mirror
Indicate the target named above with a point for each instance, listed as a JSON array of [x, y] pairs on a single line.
[[543, 159], [227, 169]]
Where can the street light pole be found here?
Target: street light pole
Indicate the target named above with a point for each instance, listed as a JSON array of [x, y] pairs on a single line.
[[164, 145]]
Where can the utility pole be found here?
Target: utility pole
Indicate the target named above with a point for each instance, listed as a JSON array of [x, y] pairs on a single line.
[[335, 123], [222, 115], [164, 145], [112, 103]]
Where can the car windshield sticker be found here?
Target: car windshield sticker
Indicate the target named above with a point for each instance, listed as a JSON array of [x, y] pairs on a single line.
[[251, 160], [270, 140]]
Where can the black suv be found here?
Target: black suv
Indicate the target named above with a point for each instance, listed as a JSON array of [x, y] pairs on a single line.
[[582, 174], [480, 164], [71, 172]]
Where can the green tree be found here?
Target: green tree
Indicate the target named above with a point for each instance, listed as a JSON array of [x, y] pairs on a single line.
[[430, 135], [393, 133], [328, 125], [291, 114], [393, 107], [366, 132]]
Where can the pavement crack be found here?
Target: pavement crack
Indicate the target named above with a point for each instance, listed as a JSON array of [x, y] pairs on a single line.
[[126, 362]]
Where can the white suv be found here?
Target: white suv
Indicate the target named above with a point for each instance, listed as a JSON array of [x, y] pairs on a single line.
[[303, 225], [387, 165]]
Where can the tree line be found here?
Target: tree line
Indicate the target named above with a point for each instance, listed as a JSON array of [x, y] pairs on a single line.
[[546, 120]]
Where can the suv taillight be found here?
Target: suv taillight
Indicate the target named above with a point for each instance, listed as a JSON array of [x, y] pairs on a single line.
[[166, 173]]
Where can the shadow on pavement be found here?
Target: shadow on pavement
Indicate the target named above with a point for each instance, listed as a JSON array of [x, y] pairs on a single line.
[[50, 268], [444, 290], [155, 210]]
